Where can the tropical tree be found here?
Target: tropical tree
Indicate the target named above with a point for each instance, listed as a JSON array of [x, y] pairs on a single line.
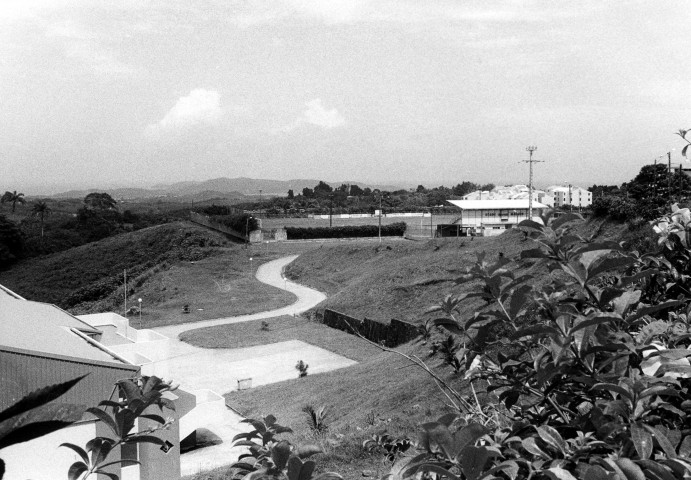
[[40, 209], [100, 201], [13, 198]]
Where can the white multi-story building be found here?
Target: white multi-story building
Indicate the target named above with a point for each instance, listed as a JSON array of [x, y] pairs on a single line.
[[570, 195]]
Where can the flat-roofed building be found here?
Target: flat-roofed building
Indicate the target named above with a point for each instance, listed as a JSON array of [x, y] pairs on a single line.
[[489, 217]]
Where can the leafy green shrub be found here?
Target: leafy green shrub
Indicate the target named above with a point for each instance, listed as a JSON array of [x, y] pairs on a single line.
[[595, 386], [301, 367], [351, 231], [316, 418], [273, 458]]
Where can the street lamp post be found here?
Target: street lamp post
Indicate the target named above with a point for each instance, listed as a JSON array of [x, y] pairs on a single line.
[[140, 312]]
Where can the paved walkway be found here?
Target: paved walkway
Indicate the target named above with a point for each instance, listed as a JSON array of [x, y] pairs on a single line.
[[202, 370], [270, 273]]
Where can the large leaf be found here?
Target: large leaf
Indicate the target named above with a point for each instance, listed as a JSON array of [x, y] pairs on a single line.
[[608, 265], [648, 310], [305, 451], [630, 469], [550, 436], [297, 470], [473, 461], [107, 419], [76, 470], [558, 473], [280, 454], [449, 324], [519, 299], [642, 441], [466, 436], [38, 422], [39, 397], [564, 219]]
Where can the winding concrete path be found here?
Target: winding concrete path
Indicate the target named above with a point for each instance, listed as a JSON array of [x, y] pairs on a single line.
[[270, 273], [210, 372]]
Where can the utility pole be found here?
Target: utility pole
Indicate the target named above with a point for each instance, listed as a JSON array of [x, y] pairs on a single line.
[[530, 150], [669, 173], [125, 273]]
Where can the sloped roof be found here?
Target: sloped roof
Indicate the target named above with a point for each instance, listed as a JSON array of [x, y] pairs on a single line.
[[504, 204], [45, 328]]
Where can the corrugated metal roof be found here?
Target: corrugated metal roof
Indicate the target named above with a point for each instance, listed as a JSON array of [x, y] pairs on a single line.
[[514, 204], [45, 328]]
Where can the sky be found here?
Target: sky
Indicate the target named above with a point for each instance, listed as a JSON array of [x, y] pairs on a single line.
[[434, 92]]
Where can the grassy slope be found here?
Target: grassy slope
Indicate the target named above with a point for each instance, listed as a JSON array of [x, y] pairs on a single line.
[[395, 280], [51, 278], [382, 393], [401, 279]]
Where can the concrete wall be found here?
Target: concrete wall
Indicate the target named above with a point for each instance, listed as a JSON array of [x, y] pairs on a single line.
[[391, 334], [43, 458]]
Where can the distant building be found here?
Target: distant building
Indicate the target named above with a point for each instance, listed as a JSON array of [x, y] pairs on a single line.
[[511, 192], [489, 217], [41, 345], [571, 195]]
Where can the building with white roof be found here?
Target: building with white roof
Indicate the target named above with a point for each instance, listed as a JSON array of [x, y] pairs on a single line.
[[489, 217], [511, 192]]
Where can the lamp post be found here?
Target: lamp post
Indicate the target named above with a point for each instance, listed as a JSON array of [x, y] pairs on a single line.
[[380, 194], [251, 266], [331, 209], [140, 312]]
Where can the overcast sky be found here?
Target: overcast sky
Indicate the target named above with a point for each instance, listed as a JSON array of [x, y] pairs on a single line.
[[103, 92]]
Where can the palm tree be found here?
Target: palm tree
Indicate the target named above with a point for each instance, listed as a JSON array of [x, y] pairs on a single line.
[[41, 209], [13, 198]]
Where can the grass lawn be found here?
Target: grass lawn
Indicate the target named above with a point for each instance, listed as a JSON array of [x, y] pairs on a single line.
[[382, 393], [281, 329]]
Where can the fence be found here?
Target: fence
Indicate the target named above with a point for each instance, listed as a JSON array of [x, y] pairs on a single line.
[[391, 334]]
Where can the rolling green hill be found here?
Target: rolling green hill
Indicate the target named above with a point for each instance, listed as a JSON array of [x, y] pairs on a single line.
[[59, 278]]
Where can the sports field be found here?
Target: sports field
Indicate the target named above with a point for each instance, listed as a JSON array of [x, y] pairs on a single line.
[[417, 226]]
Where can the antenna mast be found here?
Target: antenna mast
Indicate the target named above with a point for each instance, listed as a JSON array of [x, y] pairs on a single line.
[[530, 150]]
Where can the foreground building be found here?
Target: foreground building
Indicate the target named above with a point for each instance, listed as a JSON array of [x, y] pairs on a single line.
[[488, 217], [41, 345]]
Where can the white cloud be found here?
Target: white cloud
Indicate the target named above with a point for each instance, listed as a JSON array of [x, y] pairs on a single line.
[[316, 115], [200, 108]]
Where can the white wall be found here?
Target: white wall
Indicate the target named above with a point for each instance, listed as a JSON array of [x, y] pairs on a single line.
[[43, 458]]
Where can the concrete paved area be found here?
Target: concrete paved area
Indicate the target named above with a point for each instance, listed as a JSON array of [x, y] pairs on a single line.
[[200, 370]]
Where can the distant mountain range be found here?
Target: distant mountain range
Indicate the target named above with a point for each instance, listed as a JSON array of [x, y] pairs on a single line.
[[228, 188]]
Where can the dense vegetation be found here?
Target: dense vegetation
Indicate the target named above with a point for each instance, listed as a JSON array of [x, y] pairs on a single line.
[[352, 231]]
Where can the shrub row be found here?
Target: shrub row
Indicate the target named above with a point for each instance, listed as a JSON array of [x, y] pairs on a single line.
[[351, 231]]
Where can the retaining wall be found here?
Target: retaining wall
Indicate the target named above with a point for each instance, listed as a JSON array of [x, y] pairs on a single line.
[[391, 334]]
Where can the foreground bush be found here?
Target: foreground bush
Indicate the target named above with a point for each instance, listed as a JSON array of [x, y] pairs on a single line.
[[591, 379], [352, 231]]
